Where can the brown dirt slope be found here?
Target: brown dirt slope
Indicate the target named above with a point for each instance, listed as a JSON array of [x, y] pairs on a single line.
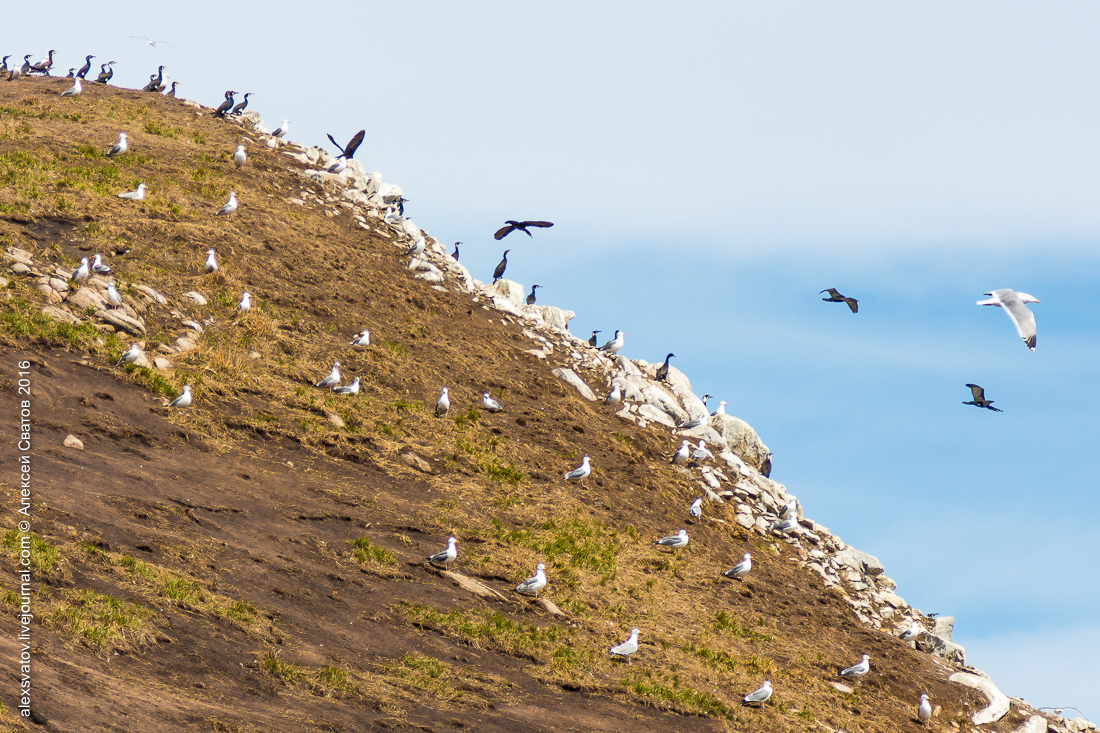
[[255, 562]]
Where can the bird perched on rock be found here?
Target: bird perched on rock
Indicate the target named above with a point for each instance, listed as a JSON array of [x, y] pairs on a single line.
[[592, 338], [240, 157], [924, 710], [857, 670], [230, 205], [693, 422], [511, 226], [81, 273], [226, 105], [238, 110], [106, 71], [499, 272], [184, 400], [741, 569], [71, 74], [662, 371], [156, 81], [347, 152], [17, 71], [98, 267], [758, 696], [333, 377], [172, 92], [581, 472], [83, 71], [113, 297], [675, 542], [352, 388], [454, 254], [979, 398], [613, 346], [785, 526], [835, 297], [74, 90], [43, 66], [246, 303], [136, 195], [211, 261], [120, 147], [490, 404], [417, 247], [1015, 306], [628, 647], [282, 129], [535, 583], [443, 403], [912, 632], [696, 509], [615, 396], [682, 455], [446, 557], [131, 355], [701, 452], [721, 409], [361, 339], [4, 65], [789, 509], [531, 297]]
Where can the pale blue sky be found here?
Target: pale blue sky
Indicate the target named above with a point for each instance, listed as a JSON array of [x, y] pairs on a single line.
[[710, 167]]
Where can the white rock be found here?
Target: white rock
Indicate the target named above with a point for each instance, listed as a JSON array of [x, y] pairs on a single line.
[[1034, 724], [570, 377], [998, 701], [743, 440], [860, 561], [195, 296], [508, 290]]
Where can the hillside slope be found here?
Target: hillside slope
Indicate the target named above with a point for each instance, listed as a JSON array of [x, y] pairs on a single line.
[[256, 562]]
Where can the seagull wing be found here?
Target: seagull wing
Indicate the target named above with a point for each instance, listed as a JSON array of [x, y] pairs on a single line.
[[354, 144], [1023, 318], [504, 231]]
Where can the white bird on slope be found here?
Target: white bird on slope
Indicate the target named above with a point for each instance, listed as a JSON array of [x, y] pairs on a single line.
[[682, 455], [136, 195], [446, 557], [361, 339], [240, 157], [912, 632], [98, 267], [333, 377], [614, 344], [535, 583], [721, 409], [246, 303], [81, 273], [339, 166], [789, 509], [615, 396], [281, 130], [760, 695], [1014, 305], [417, 247], [443, 403], [184, 400], [675, 542], [490, 404], [230, 205], [741, 569], [628, 647], [693, 422], [74, 90], [112, 295], [696, 509], [701, 452], [785, 526], [924, 710], [211, 261], [352, 388], [857, 670], [131, 355], [120, 147], [579, 473]]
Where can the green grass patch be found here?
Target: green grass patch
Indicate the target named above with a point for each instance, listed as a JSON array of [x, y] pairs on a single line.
[[101, 620], [489, 629], [42, 557], [725, 623], [366, 551], [156, 128], [680, 697], [578, 543]]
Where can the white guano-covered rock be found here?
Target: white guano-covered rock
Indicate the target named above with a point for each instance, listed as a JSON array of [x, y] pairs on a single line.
[[570, 377], [860, 561], [508, 290], [743, 440], [998, 701]]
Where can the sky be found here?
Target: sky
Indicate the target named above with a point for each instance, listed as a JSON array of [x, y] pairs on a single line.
[[710, 167]]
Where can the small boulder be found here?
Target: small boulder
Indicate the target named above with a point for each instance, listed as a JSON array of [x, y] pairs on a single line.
[[71, 441]]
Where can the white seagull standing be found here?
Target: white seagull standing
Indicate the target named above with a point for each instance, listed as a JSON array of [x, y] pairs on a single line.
[[230, 205], [1014, 305], [81, 273], [417, 247], [333, 377], [184, 400], [246, 303], [912, 632], [613, 346], [675, 542], [136, 195], [579, 473], [857, 670], [211, 261], [789, 509], [120, 147], [758, 696], [615, 397], [74, 90], [696, 509], [741, 569], [352, 388], [131, 355], [240, 157], [924, 710], [721, 409], [683, 454], [98, 267], [112, 295], [535, 583], [361, 339], [446, 557], [628, 647], [490, 404], [701, 452], [339, 166], [443, 403], [785, 526], [281, 130]]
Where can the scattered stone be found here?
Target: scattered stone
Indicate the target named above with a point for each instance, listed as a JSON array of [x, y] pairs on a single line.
[[60, 314], [122, 321], [71, 441], [860, 561], [86, 298], [185, 343], [193, 326], [998, 701], [551, 607], [161, 363], [18, 268], [255, 355], [943, 627], [569, 376], [335, 419], [48, 293], [843, 688], [196, 296], [416, 462], [151, 295], [1034, 724], [473, 586]]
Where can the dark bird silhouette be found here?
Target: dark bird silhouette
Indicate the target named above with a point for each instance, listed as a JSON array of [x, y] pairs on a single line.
[[71, 73], [531, 297], [662, 371], [241, 106], [835, 297], [172, 92], [4, 65], [592, 339], [499, 272], [455, 253], [155, 80], [83, 72], [106, 71], [44, 66], [511, 226], [979, 398], [225, 106], [348, 151]]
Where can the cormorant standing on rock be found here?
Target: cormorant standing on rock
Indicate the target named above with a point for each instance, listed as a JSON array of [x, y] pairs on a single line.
[[241, 106], [83, 73], [106, 71], [172, 92], [662, 371], [455, 253], [499, 272], [531, 297], [226, 105]]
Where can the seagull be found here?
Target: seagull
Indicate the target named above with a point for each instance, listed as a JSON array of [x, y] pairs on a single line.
[[74, 90], [282, 129], [696, 509], [499, 272], [721, 409], [81, 273], [98, 267], [1014, 305], [682, 455], [333, 377], [924, 710], [230, 205], [676, 541], [348, 151], [856, 670], [613, 346], [112, 295], [701, 452], [339, 166], [741, 569], [615, 396], [912, 632], [361, 339], [628, 647], [131, 355], [531, 297], [535, 583], [580, 473], [592, 338], [979, 398], [789, 509], [240, 157], [151, 42], [136, 195], [693, 422], [455, 253], [106, 71], [785, 526], [443, 403], [226, 105], [83, 71], [490, 404], [211, 261], [835, 297], [246, 303], [238, 110], [761, 695], [417, 247], [120, 147], [446, 557], [17, 71], [511, 226], [44, 66], [662, 371], [352, 388], [172, 92], [184, 400]]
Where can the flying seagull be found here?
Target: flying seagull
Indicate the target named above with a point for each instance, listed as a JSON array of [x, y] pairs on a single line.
[[856, 670], [682, 455], [511, 226], [979, 398], [741, 569], [443, 403], [662, 371], [758, 696], [361, 339], [615, 396], [240, 157], [131, 355], [211, 261], [531, 297], [81, 273], [282, 130], [613, 346], [98, 267], [151, 42], [835, 297], [696, 509], [1014, 305], [628, 647], [446, 557], [225, 106], [83, 72], [535, 583], [333, 377], [120, 147], [348, 151], [580, 473], [136, 195], [230, 205], [352, 388], [676, 541], [184, 400], [924, 710], [499, 272], [238, 110], [490, 404], [246, 303]]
